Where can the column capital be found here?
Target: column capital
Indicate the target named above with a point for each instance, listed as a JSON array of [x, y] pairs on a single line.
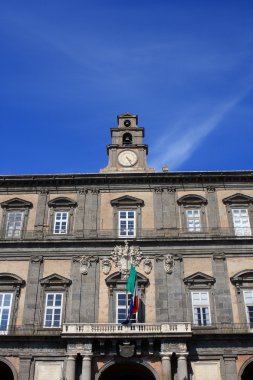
[[166, 354], [182, 355]]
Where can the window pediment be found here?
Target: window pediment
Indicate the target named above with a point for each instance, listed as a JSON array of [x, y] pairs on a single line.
[[238, 199], [199, 279], [10, 279], [243, 278], [55, 280], [62, 202], [192, 200], [127, 200], [117, 278], [16, 203]]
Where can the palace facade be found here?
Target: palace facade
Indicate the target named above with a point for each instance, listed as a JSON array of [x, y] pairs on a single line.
[[66, 245]]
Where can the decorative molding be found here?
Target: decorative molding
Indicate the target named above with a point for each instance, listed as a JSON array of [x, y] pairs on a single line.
[[127, 200], [124, 256], [199, 280], [219, 256], [62, 202], [106, 266], [238, 199], [36, 259], [192, 200], [85, 262], [158, 189], [210, 189], [169, 264], [126, 350], [55, 280], [243, 279], [147, 266], [16, 203]]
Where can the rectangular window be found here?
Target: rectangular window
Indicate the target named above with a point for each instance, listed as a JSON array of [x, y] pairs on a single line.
[[122, 310], [248, 300], [61, 222], [201, 308], [193, 220], [14, 224], [53, 310], [241, 221], [5, 310], [127, 223]]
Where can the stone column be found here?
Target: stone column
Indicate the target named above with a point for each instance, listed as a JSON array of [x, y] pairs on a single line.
[[182, 373], [230, 367], [24, 367], [86, 368], [166, 365], [70, 368]]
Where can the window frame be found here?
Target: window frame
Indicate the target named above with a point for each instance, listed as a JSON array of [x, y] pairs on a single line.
[[11, 284], [200, 283], [127, 229], [4, 294], [193, 202], [127, 203], [116, 283], [58, 285], [53, 309], [15, 205], [61, 205], [238, 201], [201, 307], [243, 281], [250, 322], [133, 319]]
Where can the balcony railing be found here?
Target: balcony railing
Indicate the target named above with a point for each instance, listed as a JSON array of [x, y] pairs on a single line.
[[95, 329], [140, 329], [170, 233]]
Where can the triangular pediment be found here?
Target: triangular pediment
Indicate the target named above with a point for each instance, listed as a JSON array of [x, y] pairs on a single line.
[[16, 203], [238, 199], [118, 278], [199, 279], [127, 200], [127, 114], [191, 200], [55, 280], [62, 202], [11, 279]]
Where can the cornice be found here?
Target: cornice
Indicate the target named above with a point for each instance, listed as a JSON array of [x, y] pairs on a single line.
[[179, 179]]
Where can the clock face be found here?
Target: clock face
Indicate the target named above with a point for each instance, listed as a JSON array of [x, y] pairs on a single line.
[[127, 158]]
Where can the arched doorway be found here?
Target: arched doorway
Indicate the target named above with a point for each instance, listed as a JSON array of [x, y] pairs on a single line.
[[126, 371], [248, 372], [5, 372]]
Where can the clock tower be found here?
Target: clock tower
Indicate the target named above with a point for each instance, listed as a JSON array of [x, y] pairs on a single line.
[[127, 153]]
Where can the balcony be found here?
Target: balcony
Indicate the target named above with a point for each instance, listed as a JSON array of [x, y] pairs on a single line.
[[161, 233], [119, 330]]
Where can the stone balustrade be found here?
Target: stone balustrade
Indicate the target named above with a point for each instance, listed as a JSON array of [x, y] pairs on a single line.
[[130, 329]]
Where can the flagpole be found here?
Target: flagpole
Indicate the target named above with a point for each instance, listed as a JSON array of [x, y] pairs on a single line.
[[127, 291]]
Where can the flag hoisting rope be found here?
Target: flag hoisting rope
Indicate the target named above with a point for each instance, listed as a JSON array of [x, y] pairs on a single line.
[[132, 288]]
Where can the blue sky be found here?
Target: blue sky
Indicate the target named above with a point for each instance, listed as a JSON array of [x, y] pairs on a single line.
[[67, 68]]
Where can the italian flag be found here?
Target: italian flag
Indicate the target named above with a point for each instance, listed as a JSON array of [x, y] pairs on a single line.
[[132, 288]]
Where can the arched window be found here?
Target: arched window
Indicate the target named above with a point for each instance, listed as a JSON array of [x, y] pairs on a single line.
[[127, 139]]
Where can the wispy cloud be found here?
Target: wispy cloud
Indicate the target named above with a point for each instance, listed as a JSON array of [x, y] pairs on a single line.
[[175, 147]]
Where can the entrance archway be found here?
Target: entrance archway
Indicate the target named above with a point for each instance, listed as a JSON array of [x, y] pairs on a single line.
[[5, 371], [248, 372], [126, 371]]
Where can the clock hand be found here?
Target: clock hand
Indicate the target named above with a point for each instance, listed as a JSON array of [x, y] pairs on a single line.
[[128, 159]]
